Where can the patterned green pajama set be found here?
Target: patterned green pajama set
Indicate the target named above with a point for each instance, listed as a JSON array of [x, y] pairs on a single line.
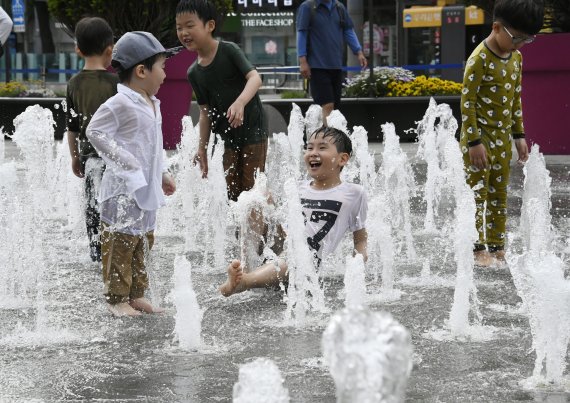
[[491, 113]]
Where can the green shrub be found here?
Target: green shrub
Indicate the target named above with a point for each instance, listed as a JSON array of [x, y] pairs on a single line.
[[12, 89], [293, 94]]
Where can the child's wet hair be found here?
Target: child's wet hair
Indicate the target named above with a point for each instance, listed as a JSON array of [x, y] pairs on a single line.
[[204, 10], [340, 139], [93, 36], [526, 16]]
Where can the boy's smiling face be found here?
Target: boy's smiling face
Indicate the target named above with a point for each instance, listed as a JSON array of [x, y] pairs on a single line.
[[323, 161], [192, 32]]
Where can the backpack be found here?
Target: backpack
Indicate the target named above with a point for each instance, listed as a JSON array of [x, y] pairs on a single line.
[[341, 10]]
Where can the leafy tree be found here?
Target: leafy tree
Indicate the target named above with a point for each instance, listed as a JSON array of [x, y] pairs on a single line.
[[155, 16], [557, 13]]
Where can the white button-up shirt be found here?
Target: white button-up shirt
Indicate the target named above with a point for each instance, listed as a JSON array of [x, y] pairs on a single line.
[[127, 134]]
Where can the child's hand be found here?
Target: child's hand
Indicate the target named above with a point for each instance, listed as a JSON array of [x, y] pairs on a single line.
[[235, 114], [522, 150], [478, 156], [168, 185], [202, 159], [76, 167]]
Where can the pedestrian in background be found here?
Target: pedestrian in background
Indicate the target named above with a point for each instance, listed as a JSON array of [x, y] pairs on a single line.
[[323, 28]]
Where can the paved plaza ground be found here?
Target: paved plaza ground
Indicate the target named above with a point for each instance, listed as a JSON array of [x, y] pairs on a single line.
[[85, 354]]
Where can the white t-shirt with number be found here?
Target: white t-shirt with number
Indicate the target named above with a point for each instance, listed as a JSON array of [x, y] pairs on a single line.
[[330, 213]]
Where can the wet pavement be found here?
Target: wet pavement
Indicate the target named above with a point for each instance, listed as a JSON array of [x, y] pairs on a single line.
[[79, 352]]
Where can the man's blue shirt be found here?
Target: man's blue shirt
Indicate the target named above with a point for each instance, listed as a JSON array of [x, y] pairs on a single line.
[[325, 35]]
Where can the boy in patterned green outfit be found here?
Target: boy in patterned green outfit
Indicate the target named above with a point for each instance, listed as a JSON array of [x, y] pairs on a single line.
[[492, 115]]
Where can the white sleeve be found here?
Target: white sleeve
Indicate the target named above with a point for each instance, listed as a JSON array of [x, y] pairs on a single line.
[[6, 25], [101, 132], [359, 211]]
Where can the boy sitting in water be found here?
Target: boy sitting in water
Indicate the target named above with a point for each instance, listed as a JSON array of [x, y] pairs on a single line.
[[331, 208]]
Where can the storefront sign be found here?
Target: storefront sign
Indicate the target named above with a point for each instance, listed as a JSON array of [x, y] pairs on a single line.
[[267, 20], [420, 17], [18, 7], [265, 5], [474, 16]]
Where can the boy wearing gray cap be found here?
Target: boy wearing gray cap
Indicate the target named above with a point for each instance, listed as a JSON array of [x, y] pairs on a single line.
[[126, 131]]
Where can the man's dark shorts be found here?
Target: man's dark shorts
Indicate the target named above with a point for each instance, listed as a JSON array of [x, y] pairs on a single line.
[[326, 86]]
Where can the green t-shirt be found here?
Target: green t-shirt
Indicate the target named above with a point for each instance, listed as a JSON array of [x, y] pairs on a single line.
[[86, 91], [218, 85], [491, 96]]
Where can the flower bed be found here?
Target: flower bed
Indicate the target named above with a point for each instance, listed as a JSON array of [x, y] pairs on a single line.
[[397, 82], [34, 89]]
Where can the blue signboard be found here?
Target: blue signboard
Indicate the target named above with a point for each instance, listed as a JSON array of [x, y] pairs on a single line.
[[18, 8]]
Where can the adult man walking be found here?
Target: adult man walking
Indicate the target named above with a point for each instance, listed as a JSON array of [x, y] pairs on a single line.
[[323, 28]]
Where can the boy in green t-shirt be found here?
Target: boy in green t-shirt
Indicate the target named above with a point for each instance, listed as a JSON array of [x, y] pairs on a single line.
[[492, 115], [226, 85], [86, 91]]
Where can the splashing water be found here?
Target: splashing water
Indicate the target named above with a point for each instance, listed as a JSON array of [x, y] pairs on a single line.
[[283, 165], [2, 146], [361, 168], [304, 293], [201, 197], [538, 274], [465, 235], [337, 120], [430, 139], [369, 355], [354, 282], [253, 215], [397, 181], [381, 248], [25, 222], [260, 382], [536, 222], [34, 135], [188, 317], [295, 133], [313, 118]]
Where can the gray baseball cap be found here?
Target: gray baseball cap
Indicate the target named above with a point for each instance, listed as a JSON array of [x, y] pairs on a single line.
[[136, 46]]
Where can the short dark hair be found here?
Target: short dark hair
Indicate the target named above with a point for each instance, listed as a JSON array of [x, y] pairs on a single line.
[[93, 36], [204, 9], [341, 140], [523, 15], [126, 74]]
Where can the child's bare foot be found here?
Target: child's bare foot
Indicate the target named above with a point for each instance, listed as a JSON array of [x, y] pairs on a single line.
[[499, 255], [123, 309], [144, 305], [483, 258], [235, 273]]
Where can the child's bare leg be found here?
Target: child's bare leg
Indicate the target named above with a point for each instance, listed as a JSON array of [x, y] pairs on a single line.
[[267, 275], [123, 309], [144, 305]]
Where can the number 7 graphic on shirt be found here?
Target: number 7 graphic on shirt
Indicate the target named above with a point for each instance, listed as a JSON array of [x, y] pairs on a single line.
[[322, 210]]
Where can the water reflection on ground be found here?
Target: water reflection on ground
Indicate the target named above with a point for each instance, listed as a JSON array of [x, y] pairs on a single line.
[[83, 353]]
